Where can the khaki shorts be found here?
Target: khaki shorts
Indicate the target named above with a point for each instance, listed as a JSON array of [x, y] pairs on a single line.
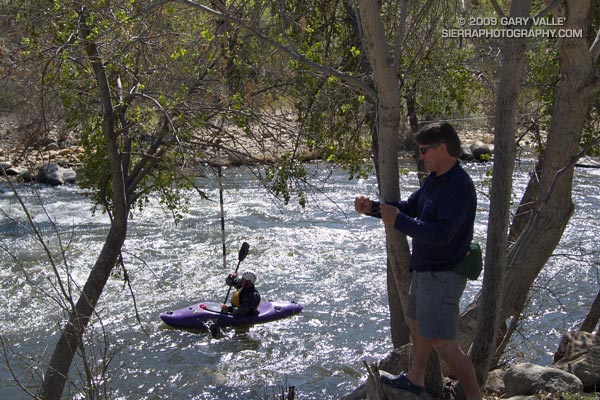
[[433, 301]]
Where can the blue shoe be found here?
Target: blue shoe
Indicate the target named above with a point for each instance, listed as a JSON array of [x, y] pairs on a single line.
[[401, 382]]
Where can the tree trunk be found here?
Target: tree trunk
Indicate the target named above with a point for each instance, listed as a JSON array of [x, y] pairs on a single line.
[[388, 122], [592, 317], [72, 336], [527, 204], [388, 107], [554, 205], [513, 61]]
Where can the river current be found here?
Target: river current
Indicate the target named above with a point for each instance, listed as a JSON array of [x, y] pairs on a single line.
[[324, 256]]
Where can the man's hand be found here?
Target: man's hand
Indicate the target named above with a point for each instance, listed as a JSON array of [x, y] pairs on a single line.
[[388, 214], [230, 279], [362, 204]]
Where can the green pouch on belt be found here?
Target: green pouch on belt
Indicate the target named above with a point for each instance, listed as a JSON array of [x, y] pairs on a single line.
[[472, 264]]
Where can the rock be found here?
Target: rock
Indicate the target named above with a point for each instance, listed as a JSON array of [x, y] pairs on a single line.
[[360, 393], [397, 360], [51, 146], [15, 171], [572, 344], [26, 175], [579, 353], [55, 175], [5, 165], [398, 394], [495, 381], [481, 151], [528, 379], [465, 152]]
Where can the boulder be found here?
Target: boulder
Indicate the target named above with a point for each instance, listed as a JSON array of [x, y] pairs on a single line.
[[481, 151], [26, 175], [5, 164], [495, 381], [529, 379], [15, 171], [51, 146], [55, 175], [579, 354], [465, 152]]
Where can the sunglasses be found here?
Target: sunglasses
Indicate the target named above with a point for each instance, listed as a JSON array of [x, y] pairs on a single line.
[[424, 149]]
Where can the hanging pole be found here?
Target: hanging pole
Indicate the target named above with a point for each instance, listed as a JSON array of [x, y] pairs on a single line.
[[220, 174]]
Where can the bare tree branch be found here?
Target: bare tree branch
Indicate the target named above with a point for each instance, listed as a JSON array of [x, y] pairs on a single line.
[[401, 32], [351, 80], [8, 365], [593, 88], [595, 48], [497, 8], [550, 7]]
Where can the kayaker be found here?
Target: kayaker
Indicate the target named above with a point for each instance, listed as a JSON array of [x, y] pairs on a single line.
[[245, 300]]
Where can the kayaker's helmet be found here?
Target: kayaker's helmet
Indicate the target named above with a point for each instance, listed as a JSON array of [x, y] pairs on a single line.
[[249, 276]]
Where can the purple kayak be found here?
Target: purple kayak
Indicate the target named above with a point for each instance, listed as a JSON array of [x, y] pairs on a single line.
[[201, 315]]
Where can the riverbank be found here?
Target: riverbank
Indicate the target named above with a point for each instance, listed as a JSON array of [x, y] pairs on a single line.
[[19, 158], [22, 153]]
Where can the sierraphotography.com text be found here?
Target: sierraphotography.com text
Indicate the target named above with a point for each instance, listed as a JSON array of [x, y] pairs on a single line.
[[511, 27]]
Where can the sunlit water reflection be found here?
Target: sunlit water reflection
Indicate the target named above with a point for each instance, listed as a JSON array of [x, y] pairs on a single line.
[[324, 256]]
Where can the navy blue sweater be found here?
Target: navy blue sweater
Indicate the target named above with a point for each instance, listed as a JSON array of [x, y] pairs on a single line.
[[439, 217]]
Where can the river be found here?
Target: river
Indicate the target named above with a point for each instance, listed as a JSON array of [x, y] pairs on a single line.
[[324, 256]]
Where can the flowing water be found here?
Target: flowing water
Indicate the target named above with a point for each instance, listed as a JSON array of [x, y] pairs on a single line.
[[324, 256]]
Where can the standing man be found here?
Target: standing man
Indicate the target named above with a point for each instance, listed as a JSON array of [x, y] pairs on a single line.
[[439, 217]]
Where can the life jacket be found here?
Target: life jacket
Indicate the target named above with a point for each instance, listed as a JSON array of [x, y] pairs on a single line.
[[235, 299]]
